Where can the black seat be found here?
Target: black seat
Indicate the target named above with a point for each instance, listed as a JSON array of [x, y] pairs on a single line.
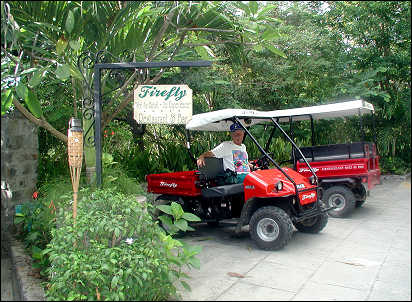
[[334, 151], [222, 191], [213, 167]]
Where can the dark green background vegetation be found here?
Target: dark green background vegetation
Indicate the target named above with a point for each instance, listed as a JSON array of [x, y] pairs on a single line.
[[325, 52], [266, 55]]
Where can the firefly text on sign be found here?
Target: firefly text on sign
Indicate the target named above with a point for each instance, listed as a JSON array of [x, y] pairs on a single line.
[[162, 104], [173, 92]]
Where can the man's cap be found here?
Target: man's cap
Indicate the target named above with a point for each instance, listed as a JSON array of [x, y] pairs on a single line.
[[235, 126]]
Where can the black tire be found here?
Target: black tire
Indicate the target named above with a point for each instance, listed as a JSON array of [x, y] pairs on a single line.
[[213, 223], [271, 228], [359, 203], [362, 195], [313, 225], [341, 197]]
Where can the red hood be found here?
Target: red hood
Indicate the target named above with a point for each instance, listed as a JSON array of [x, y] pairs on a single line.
[[262, 183]]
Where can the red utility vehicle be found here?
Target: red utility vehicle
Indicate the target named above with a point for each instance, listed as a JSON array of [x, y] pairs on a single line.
[[346, 172], [270, 201]]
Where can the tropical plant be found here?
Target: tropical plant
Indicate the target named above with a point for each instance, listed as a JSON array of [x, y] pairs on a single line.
[[114, 251], [51, 39], [329, 51], [176, 219], [377, 38], [37, 219]]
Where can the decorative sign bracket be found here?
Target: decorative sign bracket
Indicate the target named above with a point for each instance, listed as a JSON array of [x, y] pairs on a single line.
[[97, 94]]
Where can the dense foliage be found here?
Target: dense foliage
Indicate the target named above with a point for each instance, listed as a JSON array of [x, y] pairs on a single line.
[[266, 55], [115, 251], [271, 55], [37, 219]]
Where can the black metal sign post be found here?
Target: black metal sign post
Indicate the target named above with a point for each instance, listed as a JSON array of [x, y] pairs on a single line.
[[97, 97]]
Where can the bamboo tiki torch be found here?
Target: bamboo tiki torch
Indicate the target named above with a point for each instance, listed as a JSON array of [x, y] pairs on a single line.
[[75, 154]]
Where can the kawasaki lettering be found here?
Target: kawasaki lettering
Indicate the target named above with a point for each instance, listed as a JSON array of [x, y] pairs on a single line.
[[307, 169]]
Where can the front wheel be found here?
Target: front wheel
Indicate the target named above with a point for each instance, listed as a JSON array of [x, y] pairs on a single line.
[[271, 228], [313, 225], [340, 197]]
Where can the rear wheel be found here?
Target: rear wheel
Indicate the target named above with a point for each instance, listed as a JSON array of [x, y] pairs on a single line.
[[340, 197], [213, 223], [271, 228], [313, 225]]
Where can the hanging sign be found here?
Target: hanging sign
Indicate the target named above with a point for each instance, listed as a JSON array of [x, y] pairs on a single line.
[[162, 104]]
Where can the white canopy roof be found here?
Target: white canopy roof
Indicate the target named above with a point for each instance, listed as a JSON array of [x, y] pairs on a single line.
[[220, 120], [326, 111]]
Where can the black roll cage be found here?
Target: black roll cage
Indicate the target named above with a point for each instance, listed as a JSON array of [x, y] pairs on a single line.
[[236, 119], [312, 128], [97, 95]]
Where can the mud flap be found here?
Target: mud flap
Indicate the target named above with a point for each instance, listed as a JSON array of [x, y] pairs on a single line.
[[242, 219], [245, 211], [365, 186], [312, 214]]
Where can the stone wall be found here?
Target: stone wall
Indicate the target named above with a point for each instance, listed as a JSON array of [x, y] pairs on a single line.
[[19, 153]]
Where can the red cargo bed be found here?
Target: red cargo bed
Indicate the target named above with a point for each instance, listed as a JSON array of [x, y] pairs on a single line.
[[342, 160], [176, 183]]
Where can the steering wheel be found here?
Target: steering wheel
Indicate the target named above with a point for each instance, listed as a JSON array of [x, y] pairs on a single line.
[[262, 162]]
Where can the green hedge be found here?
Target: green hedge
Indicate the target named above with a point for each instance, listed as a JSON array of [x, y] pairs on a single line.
[[114, 251]]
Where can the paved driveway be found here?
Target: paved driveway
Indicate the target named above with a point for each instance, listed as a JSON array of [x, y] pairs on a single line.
[[366, 256]]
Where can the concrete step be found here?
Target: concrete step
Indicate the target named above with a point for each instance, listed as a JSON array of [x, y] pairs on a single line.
[[17, 282]]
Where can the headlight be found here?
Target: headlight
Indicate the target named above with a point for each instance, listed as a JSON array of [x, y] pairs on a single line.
[[279, 186]]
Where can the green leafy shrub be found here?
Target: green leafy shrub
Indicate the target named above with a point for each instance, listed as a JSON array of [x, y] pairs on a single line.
[[114, 251], [140, 163], [174, 157], [117, 139], [176, 219], [116, 178], [37, 219], [52, 161], [394, 165]]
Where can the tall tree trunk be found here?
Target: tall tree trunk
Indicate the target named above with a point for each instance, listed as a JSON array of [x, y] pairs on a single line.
[[394, 146]]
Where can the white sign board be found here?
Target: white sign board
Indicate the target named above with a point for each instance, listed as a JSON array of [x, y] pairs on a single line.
[[162, 104]]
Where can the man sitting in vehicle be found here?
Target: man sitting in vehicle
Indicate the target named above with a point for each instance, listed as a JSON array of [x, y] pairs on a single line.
[[233, 152]]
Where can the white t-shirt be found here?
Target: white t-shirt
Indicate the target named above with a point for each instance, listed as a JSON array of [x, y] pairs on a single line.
[[234, 156]]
